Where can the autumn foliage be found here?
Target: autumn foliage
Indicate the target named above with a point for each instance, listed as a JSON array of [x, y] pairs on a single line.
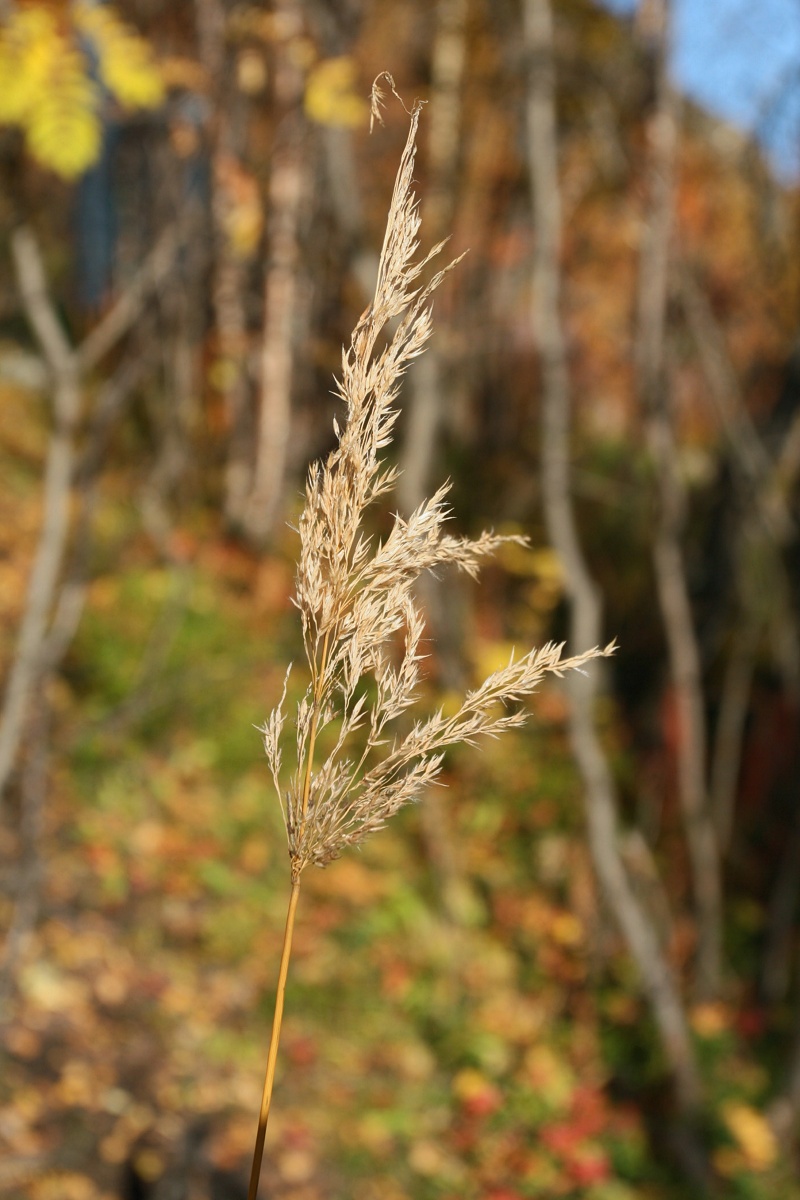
[[193, 211]]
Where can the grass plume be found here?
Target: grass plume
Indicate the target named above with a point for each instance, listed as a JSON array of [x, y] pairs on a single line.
[[356, 601]]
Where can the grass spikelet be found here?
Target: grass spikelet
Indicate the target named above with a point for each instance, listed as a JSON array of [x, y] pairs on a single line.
[[355, 597]]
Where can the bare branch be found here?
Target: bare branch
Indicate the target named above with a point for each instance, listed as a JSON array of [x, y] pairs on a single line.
[[39, 307], [128, 307], [59, 468]]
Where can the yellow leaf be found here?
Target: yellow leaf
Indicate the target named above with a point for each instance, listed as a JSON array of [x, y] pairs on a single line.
[[492, 655], [330, 96], [21, 61], [468, 1083], [537, 562], [710, 1020], [62, 123], [126, 62], [47, 89], [566, 929], [550, 1076], [752, 1133], [239, 207], [31, 45]]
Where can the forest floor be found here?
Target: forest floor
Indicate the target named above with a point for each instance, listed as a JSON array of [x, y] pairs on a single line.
[[460, 1023]]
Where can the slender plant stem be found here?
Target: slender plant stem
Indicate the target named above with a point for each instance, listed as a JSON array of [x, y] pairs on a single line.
[[266, 1097]]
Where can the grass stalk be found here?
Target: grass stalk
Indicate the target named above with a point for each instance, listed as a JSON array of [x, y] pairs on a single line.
[[358, 607], [272, 1058]]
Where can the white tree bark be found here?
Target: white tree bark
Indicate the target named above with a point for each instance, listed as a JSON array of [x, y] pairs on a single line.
[[43, 582], [658, 980], [288, 188], [66, 367], [428, 376], [670, 568]]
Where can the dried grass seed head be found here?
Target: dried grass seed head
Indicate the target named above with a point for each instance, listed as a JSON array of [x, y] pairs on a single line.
[[355, 597]]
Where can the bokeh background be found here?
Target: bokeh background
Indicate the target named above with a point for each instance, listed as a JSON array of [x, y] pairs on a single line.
[[574, 971]]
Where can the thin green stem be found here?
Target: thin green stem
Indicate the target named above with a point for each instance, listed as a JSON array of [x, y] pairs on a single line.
[[266, 1097]]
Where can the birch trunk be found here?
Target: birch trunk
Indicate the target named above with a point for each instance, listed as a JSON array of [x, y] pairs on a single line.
[[66, 368], [427, 378], [670, 568], [638, 930], [43, 584], [288, 188]]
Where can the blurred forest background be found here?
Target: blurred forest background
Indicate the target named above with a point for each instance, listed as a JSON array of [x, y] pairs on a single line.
[[574, 972]]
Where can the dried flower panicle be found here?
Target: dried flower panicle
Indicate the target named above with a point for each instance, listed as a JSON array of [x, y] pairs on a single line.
[[356, 597]]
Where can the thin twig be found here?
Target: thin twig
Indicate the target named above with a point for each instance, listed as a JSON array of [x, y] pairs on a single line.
[[126, 310]]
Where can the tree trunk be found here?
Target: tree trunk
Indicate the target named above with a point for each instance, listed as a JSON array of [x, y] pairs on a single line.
[[43, 584], [288, 188], [53, 603], [428, 376], [585, 605], [670, 569], [229, 272]]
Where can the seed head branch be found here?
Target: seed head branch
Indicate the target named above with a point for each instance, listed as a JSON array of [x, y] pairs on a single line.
[[356, 595]]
